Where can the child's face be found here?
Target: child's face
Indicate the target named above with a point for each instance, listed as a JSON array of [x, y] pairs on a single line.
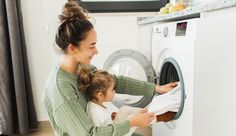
[[110, 92]]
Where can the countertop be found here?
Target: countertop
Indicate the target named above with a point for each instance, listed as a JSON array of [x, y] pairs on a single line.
[[189, 12]]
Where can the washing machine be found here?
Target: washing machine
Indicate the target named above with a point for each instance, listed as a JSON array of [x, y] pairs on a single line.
[[200, 54], [173, 61]]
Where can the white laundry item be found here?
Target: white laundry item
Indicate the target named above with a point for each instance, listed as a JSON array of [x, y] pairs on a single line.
[[176, 89], [101, 116], [169, 101], [160, 106], [126, 112]]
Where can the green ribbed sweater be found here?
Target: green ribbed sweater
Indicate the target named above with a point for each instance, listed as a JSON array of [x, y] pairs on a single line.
[[66, 105]]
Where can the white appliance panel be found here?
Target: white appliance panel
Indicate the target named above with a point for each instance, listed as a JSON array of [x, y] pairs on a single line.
[[166, 44]]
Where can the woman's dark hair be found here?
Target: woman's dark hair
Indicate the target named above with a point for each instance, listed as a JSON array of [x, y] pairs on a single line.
[[74, 25], [91, 83]]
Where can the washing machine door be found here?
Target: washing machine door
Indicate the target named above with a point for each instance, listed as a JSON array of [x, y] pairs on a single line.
[[132, 64], [170, 71]]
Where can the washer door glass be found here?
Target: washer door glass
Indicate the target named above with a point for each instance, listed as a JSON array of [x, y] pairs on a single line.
[[132, 64], [128, 67], [131, 68]]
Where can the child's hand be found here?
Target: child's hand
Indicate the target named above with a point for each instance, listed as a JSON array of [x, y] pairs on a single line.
[[113, 115]]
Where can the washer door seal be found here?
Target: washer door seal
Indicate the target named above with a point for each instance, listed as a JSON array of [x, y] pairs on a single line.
[[171, 72]]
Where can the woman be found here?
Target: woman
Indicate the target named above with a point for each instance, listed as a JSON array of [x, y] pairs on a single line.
[[62, 98]]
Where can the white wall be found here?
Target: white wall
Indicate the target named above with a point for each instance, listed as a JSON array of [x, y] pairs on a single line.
[[40, 22], [115, 31]]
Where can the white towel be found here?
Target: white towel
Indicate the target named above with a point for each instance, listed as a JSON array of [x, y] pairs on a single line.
[[169, 101]]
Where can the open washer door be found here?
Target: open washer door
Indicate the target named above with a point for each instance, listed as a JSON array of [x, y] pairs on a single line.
[[132, 64]]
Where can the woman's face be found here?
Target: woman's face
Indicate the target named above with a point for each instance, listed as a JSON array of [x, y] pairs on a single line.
[[87, 49]]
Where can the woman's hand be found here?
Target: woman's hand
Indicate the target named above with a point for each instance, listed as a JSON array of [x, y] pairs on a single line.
[[141, 118], [166, 88]]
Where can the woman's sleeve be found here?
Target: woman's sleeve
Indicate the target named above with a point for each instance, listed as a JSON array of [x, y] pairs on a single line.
[[126, 85], [71, 118]]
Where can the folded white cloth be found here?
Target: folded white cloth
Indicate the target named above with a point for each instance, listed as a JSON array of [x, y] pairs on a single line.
[[169, 101]]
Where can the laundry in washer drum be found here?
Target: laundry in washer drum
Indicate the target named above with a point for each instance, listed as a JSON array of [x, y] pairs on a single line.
[[169, 101]]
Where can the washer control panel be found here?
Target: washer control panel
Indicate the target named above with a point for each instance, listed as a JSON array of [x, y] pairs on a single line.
[[178, 29], [162, 31], [181, 28]]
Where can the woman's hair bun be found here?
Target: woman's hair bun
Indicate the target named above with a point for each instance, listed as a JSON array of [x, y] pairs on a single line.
[[72, 11]]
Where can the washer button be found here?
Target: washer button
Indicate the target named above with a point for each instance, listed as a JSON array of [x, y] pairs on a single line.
[[165, 32]]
